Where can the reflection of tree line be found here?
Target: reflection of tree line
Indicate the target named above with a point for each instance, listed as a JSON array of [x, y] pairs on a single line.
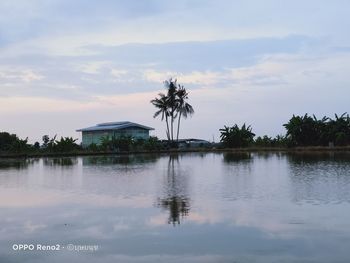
[[315, 157], [175, 199], [121, 159], [237, 157], [16, 163], [320, 178]]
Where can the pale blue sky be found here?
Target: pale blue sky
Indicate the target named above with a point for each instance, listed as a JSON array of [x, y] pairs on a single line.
[[69, 64]]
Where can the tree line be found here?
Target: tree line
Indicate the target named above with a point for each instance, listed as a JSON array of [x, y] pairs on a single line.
[[11, 143], [304, 130], [172, 106]]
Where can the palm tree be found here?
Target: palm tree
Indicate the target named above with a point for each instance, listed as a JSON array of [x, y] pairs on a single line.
[[162, 105], [183, 108], [172, 105], [171, 85]]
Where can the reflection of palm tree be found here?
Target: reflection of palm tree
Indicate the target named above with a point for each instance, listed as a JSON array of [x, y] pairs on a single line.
[[178, 206], [176, 199]]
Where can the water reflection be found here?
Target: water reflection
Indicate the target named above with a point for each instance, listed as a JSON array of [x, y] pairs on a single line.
[[175, 199], [251, 208], [318, 157], [237, 157], [320, 178], [61, 161], [120, 159], [17, 163]]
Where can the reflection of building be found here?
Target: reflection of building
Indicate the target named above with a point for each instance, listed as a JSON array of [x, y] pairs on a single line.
[[94, 134]]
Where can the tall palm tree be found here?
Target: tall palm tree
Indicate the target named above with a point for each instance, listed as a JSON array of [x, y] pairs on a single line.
[[171, 85], [162, 104], [171, 105], [184, 109]]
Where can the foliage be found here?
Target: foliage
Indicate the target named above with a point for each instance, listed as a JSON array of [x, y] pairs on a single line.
[[36, 146], [11, 143], [127, 143], [65, 144], [234, 136], [152, 144], [266, 141], [122, 143], [171, 106], [310, 131], [48, 144]]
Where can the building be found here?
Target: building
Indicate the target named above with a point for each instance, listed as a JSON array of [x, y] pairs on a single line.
[[94, 134]]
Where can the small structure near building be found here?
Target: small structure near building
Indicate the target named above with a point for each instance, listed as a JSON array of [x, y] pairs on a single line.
[[193, 143], [94, 134]]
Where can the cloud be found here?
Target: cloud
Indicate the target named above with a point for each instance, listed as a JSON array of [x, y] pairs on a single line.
[[13, 75], [137, 68]]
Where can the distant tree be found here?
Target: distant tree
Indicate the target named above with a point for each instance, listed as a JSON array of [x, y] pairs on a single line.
[[46, 140], [152, 144], [303, 130], [65, 144], [36, 146], [162, 104], [171, 106], [51, 144], [266, 141], [7, 140], [310, 131], [236, 137], [172, 103], [11, 143], [184, 109], [339, 129]]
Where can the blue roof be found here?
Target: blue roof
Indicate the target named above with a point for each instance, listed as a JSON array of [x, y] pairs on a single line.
[[114, 126]]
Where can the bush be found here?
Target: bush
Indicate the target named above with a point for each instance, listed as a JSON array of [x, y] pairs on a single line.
[[11, 143], [234, 136], [152, 144]]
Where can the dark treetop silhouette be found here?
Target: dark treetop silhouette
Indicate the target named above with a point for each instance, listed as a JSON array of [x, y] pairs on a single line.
[[171, 106]]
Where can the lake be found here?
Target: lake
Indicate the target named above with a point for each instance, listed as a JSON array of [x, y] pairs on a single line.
[[193, 207]]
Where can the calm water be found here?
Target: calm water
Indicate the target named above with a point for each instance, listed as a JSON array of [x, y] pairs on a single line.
[[179, 208]]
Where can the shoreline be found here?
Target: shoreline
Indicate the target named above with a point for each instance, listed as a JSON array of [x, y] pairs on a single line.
[[308, 149]]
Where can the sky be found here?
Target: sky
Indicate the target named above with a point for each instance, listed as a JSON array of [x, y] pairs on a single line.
[[66, 65]]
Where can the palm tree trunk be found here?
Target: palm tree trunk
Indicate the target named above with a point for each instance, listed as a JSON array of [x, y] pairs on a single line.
[[178, 127], [167, 128], [167, 134], [172, 126]]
